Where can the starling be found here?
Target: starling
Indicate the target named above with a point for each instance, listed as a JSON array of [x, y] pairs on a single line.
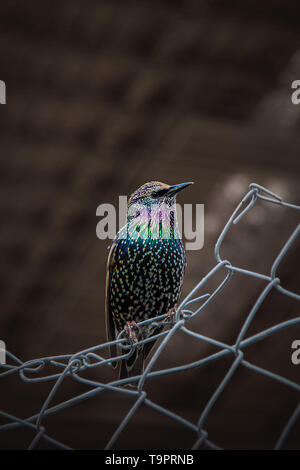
[[145, 270]]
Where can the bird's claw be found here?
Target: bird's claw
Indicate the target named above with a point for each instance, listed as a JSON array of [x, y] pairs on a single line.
[[171, 315], [130, 333]]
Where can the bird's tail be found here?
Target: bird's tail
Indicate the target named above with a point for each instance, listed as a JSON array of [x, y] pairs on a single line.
[[134, 365]]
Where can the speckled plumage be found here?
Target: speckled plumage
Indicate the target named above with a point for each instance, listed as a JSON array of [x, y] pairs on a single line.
[[145, 267]]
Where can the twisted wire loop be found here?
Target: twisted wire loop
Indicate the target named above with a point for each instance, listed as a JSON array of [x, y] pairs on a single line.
[[73, 365]]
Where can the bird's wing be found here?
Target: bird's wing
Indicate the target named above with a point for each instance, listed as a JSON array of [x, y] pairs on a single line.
[[110, 327]]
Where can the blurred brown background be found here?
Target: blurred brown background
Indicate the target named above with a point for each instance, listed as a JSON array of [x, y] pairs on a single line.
[[103, 96]]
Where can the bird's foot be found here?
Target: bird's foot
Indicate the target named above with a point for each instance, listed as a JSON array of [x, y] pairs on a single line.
[[130, 333], [171, 314]]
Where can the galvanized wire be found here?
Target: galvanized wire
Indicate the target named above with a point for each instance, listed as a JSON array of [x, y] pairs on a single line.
[[73, 365]]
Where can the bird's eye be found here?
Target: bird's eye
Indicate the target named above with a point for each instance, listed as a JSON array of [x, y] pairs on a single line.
[[159, 193]]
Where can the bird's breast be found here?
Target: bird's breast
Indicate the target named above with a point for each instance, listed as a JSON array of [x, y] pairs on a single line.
[[146, 279]]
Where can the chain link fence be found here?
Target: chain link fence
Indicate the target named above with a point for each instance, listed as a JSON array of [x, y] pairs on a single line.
[[72, 365]]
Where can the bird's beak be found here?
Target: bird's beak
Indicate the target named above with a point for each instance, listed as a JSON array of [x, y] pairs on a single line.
[[177, 187]]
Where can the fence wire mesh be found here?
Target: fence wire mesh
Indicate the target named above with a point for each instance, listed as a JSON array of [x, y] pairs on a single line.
[[73, 365]]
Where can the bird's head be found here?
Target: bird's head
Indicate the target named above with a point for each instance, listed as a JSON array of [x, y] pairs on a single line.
[[152, 211], [156, 192]]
